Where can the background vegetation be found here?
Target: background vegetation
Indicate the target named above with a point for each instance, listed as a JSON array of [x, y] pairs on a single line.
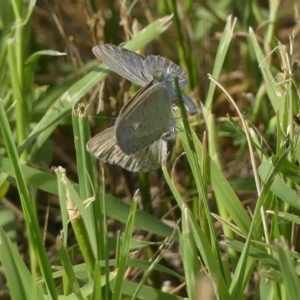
[[219, 221]]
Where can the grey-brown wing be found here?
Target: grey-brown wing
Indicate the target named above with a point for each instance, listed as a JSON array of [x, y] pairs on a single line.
[[144, 122], [102, 144], [148, 159], [124, 62], [104, 147], [134, 100]]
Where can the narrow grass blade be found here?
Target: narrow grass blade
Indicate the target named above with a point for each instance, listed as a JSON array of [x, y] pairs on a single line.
[[79, 219], [220, 186], [203, 245], [278, 186], [68, 268], [290, 277], [189, 254], [124, 252], [275, 92], [20, 280], [220, 57], [147, 292], [31, 222]]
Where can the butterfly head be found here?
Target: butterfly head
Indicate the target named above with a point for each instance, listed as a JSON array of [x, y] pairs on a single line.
[[160, 75]]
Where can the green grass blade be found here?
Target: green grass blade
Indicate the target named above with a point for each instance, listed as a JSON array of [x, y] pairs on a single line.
[[290, 277], [27, 205], [19, 278], [220, 57], [124, 252], [68, 268]]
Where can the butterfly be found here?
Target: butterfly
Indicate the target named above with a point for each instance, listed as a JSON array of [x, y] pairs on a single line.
[[143, 134]]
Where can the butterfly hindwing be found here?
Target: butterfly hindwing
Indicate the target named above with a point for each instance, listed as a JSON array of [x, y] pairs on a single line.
[[104, 147]]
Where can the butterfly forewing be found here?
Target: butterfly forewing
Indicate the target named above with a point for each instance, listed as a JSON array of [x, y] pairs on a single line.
[[134, 101], [148, 117], [126, 63]]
